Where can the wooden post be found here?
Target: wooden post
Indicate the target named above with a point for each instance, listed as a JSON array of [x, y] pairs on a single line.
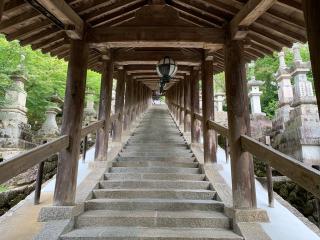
[[119, 104], [127, 104], [243, 186], [102, 139], [66, 180], [187, 104], [311, 11], [209, 139], [181, 103], [194, 102], [1, 8], [176, 101]]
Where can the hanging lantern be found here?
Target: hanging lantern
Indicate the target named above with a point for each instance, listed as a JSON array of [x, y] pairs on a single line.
[[166, 69]]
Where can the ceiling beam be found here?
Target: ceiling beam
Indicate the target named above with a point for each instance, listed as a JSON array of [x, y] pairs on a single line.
[[152, 58], [188, 37], [249, 13], [74, 25]]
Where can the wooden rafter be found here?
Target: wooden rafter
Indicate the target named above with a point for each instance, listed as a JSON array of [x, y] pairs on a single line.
[[74, 25], [249, 13]]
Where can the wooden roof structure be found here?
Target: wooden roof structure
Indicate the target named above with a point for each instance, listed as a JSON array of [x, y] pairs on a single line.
[[141, 32]]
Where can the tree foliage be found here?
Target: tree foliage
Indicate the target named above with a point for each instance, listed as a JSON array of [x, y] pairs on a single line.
[[265, 70], [46, 76]]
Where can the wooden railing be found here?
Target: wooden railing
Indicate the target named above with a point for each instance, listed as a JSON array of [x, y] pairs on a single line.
[[26, 160], [305, 176], [38, 155]]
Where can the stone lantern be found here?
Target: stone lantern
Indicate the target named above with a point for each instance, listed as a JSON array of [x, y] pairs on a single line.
[[285, 95], [13, 114], [49, 128], [89, 112], [219, 99], [254, 95]]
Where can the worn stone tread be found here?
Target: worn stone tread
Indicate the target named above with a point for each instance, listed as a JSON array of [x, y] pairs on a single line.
[[142, 233], [171, 184], [153, 204], [155, 176], [200, 194], [201, 219]]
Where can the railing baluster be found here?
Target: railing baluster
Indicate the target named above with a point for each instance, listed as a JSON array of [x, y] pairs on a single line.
[[227, 149], [269, 178], [85, 141], [37, 192]]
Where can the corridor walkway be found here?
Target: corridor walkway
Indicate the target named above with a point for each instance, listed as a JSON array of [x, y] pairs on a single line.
[[154, 190]]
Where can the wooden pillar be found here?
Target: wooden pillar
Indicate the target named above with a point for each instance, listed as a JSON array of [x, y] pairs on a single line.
[[176, 101], [311, 11], [243, 186], [134, 100], [209, 139], [66, 180], [1, 8], [102, 139], [194, 102], [120, 90], [187, 104], [181, 103], [127, 103]]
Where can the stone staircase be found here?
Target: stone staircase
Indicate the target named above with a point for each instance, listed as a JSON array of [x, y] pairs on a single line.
[[154, 190]]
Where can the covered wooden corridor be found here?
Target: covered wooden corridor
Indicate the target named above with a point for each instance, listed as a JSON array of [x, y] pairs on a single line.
[[125, 39]]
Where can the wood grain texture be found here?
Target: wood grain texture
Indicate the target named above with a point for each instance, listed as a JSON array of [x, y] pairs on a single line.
[[66, 180], [242, 173]]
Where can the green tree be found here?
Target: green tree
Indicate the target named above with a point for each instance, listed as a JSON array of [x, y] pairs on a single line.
[[46, 76]]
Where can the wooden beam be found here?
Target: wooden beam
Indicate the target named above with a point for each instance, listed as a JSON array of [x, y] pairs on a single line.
[[152, 57], [188, 37], [249, 13], [74, 25]]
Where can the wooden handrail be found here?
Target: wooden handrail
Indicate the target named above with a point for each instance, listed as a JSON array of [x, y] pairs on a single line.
[[92, 128], [26, 160], [218, 128], [303, 175], [198, 116]]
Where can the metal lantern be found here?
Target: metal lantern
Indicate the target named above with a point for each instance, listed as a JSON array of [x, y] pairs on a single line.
[[166, 69]]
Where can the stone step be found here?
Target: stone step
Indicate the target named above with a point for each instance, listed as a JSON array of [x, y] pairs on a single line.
[[202, 194], [147, 233], [155, 148], [169, 159], [153, 176], [154, 204], [191, 219], [151, 154], [140, 163], [154, 170], [164, 184], [156, 144]]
